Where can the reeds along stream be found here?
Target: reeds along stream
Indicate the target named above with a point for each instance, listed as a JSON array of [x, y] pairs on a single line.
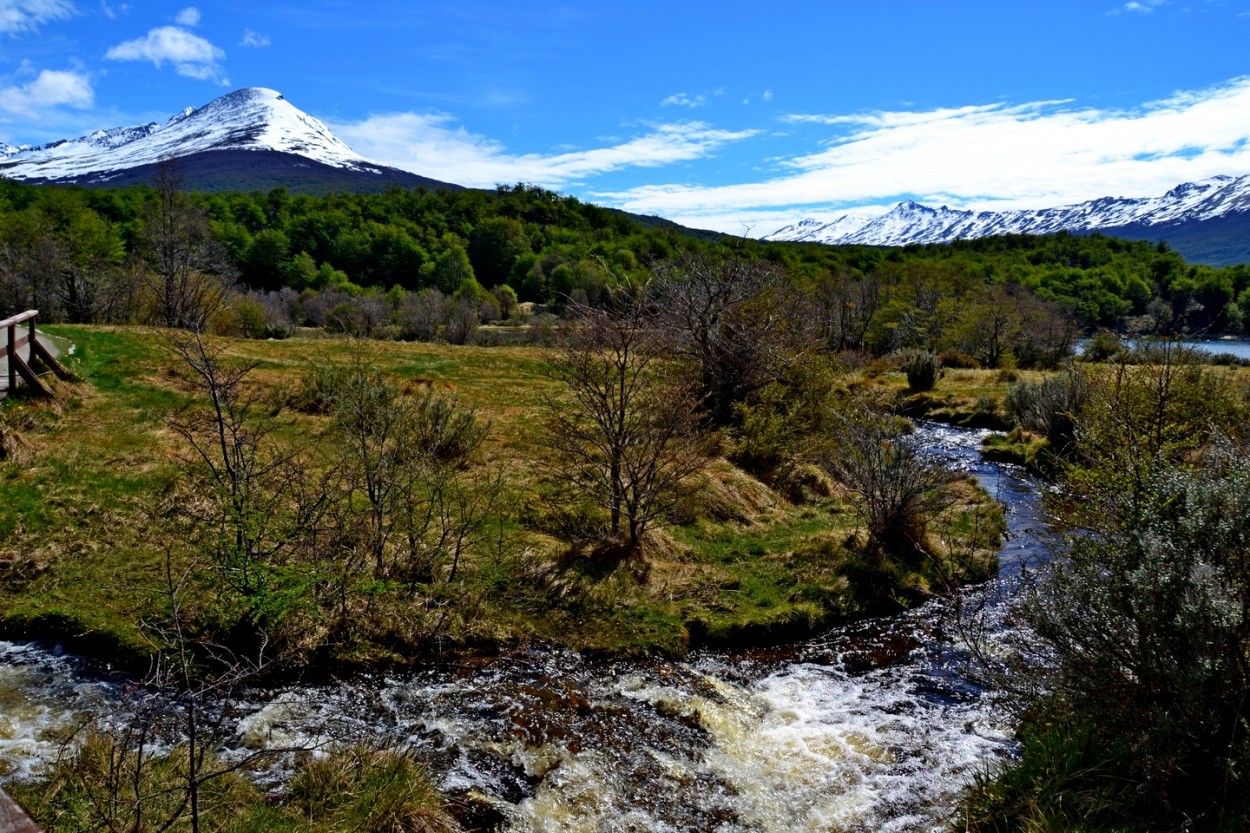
[[871, 727]]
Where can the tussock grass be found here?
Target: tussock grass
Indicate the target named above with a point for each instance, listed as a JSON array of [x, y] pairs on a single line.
[[102, 786], [86, 521], [363, 789]]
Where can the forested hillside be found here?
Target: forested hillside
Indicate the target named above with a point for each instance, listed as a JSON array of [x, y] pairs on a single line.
[[89, 255]]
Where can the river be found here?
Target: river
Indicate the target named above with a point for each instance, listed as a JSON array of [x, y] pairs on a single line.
[[869, 727], [1237, 348]]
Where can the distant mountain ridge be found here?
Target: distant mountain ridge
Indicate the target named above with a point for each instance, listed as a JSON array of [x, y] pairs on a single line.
[[250, 138], [1207, 221]]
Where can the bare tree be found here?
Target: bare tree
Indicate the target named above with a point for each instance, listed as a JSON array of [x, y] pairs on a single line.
[[897, 488], [418, 314], [460, 318], [257, 507], [188, 270], [846, 304], [629, 437], [738, 321]]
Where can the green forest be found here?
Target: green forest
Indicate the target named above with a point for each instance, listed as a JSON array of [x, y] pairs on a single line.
[[393, 263]]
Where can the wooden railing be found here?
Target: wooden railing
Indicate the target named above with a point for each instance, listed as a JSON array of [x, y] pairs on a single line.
[[12, 818], [18, 367]]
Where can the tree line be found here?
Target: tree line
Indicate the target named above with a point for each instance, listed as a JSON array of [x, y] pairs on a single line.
[[281, 260]]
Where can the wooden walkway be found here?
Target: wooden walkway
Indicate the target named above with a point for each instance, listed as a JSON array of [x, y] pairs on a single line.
[[22, 348], [12, 819]]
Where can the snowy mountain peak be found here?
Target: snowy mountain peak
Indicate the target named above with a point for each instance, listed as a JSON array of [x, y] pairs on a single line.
[[913, 222], [253, 118], [811, 230]]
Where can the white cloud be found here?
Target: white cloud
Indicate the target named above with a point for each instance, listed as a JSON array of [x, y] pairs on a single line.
[[1032, 155], [112, 13], [20, 16], [189, 16], [254, 40], [1136, 7], [684, 100], [191, 55], [432, 146], [49, 89]]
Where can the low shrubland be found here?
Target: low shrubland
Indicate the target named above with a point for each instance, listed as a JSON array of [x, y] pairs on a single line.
[[1132, 679]]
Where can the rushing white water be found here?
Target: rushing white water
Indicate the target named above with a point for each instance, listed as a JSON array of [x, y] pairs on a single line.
[[871, 727], [44, 697]]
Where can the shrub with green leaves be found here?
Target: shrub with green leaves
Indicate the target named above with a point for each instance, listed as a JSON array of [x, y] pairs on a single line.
[[1145, 627]]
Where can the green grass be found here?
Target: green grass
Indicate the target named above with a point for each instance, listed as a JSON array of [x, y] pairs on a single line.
[[85, 521], [345, 791], [1022, 448], [1067, 779]]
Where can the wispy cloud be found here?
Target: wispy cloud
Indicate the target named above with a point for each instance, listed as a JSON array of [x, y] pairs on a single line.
[[254, 40], [684, 100], [191, 55], [22, 16], [1029, 155], [433, 145], [1139, 6], [113, 12], [49, 89], [189, 16]]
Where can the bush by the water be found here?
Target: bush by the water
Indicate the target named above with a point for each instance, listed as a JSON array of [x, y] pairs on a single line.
[[922, 368], [1050, 407]]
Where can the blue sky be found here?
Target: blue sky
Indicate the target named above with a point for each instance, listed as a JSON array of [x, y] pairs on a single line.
[[728, 115]]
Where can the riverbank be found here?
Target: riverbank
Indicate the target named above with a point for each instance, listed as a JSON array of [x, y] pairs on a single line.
[[90, 522], [868, 726]]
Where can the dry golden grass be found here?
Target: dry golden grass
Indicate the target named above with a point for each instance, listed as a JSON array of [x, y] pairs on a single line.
[[85, 521]]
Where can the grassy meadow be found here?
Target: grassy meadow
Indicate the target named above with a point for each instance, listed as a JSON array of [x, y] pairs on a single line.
[[89, 493]]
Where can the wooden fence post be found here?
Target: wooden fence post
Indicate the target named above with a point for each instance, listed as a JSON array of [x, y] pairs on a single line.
[[12, 351], [18, 366]]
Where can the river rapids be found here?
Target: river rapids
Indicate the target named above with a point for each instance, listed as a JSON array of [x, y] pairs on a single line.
[[870, 727]]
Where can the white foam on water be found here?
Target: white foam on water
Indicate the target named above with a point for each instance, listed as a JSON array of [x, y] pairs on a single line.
[[43, 701], [813, 749]]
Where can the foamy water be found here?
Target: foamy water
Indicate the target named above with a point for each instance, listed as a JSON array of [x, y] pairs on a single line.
[[873, 727]]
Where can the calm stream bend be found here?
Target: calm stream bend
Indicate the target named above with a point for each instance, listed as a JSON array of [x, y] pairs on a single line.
[[869, 727]]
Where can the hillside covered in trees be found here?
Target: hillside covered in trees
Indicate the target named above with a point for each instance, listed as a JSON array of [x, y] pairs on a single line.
[[283, 260]]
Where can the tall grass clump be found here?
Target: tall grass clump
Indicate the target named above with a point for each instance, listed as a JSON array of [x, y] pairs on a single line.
[[1050, 407], [363, 789], [922, 368]]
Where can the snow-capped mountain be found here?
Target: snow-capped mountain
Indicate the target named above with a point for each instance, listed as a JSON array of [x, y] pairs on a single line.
[[249, 126], [818, 231], [1223, 199]]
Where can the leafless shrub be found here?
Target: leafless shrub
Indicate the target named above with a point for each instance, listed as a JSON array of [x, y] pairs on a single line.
[[626, 436], [897, 488]]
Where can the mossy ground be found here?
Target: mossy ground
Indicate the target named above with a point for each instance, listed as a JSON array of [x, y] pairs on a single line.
[[83, 536]]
